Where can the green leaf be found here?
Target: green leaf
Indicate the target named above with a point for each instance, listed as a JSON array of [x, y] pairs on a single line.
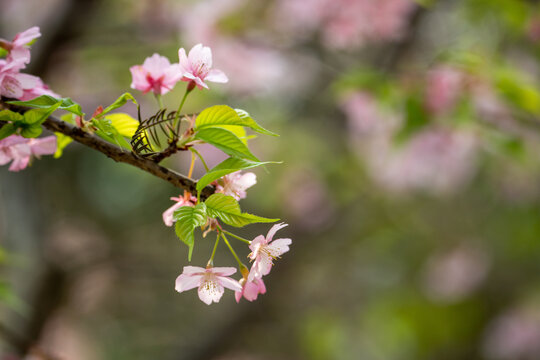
[[31, 131], [124, 124], [61, 142], [38, 116], [47, 101], [7, 130], [219, 115], [3, 52], [228, 210], [121, 101], [415, 119], [108, 132], [187, 219], [8, 115], [228, 166], [226, 141]]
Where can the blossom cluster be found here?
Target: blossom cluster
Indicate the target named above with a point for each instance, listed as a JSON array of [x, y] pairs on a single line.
[[17, 85], [159, 76]]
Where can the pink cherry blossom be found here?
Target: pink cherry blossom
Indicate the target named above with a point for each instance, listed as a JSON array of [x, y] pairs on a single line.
[[18, 48], [197, 67], [156, 74], [210, 281], [250, 288], [180, 201], [12, 82], [444, 85], [20, 150], [236, 184], [265, 250], [39, 89]]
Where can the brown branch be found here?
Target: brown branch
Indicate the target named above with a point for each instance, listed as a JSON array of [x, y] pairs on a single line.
[[117, 154]]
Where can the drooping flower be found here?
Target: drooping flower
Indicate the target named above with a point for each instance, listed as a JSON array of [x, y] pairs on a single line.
[[210, 281], [250, 288], [18, 48], [236, 184], [20, 150], [180, 201], [156, 74], [196, 67], [265, 250]]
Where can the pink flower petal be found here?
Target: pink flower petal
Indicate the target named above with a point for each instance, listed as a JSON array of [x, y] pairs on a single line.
[[230, 283], [187, 282], [210, 291], [273, 231], [43, 146], [26, 36], [217, 76], [224, 271]]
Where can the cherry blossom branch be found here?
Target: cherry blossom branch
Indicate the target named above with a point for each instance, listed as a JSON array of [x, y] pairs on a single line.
[[119, 155]]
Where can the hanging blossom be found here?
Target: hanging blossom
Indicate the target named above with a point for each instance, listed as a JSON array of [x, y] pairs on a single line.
[[250, 288], [210, 282], [188, 200], [196, 67], [20, 150], [236, 184], [265, 250], [156, 74]]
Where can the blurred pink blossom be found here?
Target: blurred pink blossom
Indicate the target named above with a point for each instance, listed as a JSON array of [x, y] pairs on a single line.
[[19, 150], [451, 276], [514, 335], [265, 250], [236, 184], [250, 288], [18, 48], [346, 23], [39, 89], [13, 84], [156, 74], [196, 67], [210, 281], [168, 218], [444, 85], [436, 160]]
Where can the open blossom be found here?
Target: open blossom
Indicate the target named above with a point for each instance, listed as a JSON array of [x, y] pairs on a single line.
[[250, 289], [180, 201], [18, 48], [236, 184], [13, 84], [265, 250], [196, 67], [444, 86], [156, 74], [210, 281], [20, 150]]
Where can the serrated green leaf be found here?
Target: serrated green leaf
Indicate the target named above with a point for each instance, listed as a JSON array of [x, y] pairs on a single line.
[[239, 131], [187, 219], [31, 131], [47, 101], [8, 115], [121, 101], [38, 116], [107, 131], [7, 130], [124, 124], [61, 142], [228, 210], [244, 115], [220, 115], [228, 166], [226, 141]]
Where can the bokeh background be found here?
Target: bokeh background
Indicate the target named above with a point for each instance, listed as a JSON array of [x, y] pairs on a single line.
[[410, 139]]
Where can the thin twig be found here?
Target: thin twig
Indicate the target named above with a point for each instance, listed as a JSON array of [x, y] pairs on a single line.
[[117, 154]]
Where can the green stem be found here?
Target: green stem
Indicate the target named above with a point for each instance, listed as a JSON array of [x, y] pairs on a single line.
[[200, 157], [177, 116], [211, 261], [231, 249], [159, 101], [238, 237]]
